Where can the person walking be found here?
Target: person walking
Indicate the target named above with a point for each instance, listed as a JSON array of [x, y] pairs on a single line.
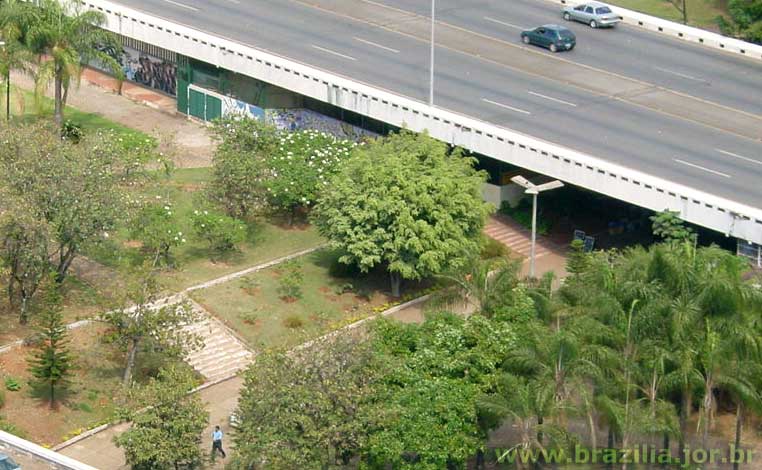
[[217, 442]]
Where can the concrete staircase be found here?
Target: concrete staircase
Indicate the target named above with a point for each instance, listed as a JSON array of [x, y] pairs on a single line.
[[222, 355], [516, 237]]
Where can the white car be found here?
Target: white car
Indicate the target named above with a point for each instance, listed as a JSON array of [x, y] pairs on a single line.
[[595, 14]]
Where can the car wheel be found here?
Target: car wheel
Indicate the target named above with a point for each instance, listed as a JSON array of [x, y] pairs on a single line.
[[553, 48], [593, 24], [525, 39], [567, 16]]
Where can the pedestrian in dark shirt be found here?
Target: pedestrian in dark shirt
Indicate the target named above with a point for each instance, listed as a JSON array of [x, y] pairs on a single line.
[[217, 442]]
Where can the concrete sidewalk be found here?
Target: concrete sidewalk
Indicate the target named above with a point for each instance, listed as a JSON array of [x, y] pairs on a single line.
[[139, 108]]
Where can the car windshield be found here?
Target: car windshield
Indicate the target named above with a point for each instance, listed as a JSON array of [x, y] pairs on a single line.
[[603, 10]]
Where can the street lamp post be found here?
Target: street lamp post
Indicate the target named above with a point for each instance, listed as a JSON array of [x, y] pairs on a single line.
[[534, 190], [431, 61]]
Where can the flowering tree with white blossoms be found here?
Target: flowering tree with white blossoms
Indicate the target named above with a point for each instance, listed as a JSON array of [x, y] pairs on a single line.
[[157, 227], [300, 167]]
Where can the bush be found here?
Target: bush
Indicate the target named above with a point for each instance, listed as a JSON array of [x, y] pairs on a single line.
[[12, 385], [72, 131], [2, 398], [290, 282], [220, 231], [293, 322], [493, 249]]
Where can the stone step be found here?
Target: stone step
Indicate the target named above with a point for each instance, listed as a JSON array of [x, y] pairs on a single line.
[[222, 357], [225, 368], [216, 340]]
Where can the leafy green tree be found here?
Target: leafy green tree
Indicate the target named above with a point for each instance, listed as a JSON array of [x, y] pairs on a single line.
[[52, 364], [405, 202], [157, 227], [167, 432], [146, 322], [301, 167], [24, 242], [577, 261], [668, 226], [745, 20], [239, 164], [70, 36], [220, 231], [308, 409], [64, 184]]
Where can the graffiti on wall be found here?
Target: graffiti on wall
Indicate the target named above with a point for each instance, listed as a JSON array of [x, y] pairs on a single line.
[[144, 69], [233, 106], [298, 119]]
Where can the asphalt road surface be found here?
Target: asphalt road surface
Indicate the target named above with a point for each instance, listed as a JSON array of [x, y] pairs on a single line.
[[665, 107]]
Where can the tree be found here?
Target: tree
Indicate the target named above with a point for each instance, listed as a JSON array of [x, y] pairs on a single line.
[[220, 231], [301, 167], [145, 322], [66, 36], [670, 228], [167, 432], [237, 184], [64, 184], [745, 20], [427, 401], [407, 203], [14, 55], [158, 229], [52, 364], [24, 251], [308, 409]]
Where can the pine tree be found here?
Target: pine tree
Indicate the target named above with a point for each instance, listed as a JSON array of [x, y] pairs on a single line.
[[52, 364], [577, 261]]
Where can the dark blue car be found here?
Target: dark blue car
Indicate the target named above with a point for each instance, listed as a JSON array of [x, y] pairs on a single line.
[[554, 37]]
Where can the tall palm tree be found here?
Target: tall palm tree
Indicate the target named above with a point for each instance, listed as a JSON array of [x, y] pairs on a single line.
[[67, 37], [14, 55]]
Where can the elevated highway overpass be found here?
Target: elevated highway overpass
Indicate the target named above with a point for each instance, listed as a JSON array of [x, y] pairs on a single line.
[[636, 115]]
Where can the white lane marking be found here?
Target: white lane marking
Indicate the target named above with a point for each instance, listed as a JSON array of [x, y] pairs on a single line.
[[505, 106], [333, 52], [724, 175], [181, 5], [552, 99], [731, 154], [680, 74], [371, 43], [503, 23]]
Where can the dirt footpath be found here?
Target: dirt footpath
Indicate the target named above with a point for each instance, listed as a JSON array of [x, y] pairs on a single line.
[[139, 108]]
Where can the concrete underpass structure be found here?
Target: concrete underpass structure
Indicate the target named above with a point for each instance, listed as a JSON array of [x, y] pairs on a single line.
[[361, 100]]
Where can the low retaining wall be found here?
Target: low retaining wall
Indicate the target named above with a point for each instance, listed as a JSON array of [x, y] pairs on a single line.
[[53, 460]]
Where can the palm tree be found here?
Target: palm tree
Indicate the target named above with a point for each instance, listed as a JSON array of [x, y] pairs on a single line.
[[66, 38], [13, 54]]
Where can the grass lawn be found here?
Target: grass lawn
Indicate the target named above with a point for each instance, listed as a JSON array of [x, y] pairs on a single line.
[[23, 108], [254, 307], [79, 301], [265, 240], [701, 13], [91, 399]]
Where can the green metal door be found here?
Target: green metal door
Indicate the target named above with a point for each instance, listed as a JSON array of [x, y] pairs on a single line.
[[213, 108], [197, 104]]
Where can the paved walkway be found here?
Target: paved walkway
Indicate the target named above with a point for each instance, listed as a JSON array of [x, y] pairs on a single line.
[[548, 255], [139, 108]]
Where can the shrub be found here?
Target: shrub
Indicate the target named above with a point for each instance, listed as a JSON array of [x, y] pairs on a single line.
[[493, 249], [2, 398], [290, 282], [12, 385], [344, 288], [249, 317], [522, 213], [72, 131], [85, 407], [293, 322], [220, 231]]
